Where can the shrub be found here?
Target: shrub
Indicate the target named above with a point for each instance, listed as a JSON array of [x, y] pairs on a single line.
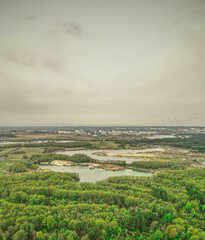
[[18, 167]]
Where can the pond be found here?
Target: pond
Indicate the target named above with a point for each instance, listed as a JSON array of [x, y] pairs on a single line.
[[104, 158], [161, 137], [97, 174]]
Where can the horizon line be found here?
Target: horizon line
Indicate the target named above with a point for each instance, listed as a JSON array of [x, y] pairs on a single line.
[[106, 125]]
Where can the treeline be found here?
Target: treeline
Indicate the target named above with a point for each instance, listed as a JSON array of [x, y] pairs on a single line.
[[38, 158], [195, 142], [159, 164], [80, 158], [51, 206], [20, 167], [19, 152], [77, 158], [7, 135], [117, 162], [55, 145]]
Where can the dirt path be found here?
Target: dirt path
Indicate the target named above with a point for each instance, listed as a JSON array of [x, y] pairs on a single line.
[[2, 156]]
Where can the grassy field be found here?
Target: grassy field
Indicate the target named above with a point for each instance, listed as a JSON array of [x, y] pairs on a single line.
[[8, 156], [4, 151], [28, 152]]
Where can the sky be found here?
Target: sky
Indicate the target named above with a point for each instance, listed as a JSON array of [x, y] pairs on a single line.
[[102, 62]]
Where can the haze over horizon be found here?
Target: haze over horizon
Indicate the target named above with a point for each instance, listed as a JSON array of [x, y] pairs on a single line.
[[113, 62]]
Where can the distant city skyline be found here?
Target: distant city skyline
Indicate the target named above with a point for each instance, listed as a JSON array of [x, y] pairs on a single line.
[[101, 63]]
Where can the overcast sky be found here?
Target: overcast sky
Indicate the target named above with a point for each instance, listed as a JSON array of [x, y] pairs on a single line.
[[102, 62]]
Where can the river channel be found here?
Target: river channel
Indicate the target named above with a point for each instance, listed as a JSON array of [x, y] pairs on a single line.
[[90, 153]]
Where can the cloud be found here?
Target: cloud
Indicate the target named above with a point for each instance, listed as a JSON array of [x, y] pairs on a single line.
[[176, 24], [71, 28], [30, 17], [28, 59], [20, 96], [52, 64], [190, 121], [17, 57], [116, 75]]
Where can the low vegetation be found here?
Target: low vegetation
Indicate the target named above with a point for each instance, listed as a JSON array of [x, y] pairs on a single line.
[[18, 168], [117, 162], [159, 164]]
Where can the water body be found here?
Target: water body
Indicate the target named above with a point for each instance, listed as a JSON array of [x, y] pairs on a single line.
[[161, 136], [104, 158], [40, 141], [98, 174]]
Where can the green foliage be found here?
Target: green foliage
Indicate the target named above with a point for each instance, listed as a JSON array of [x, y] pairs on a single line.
[[18, 152], [20, 235], [49, 150], [168, 217], [38, 158], [188, 207], [157, 235], [31, 166], [79, 158], [18, 168], [117, 162], [178, 166], [52, 205], [158, 164], [49, 146]]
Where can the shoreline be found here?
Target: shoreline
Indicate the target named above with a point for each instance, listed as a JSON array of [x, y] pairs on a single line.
[[105, 166]]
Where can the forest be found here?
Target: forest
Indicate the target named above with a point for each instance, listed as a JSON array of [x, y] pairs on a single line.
[[50, 206]]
